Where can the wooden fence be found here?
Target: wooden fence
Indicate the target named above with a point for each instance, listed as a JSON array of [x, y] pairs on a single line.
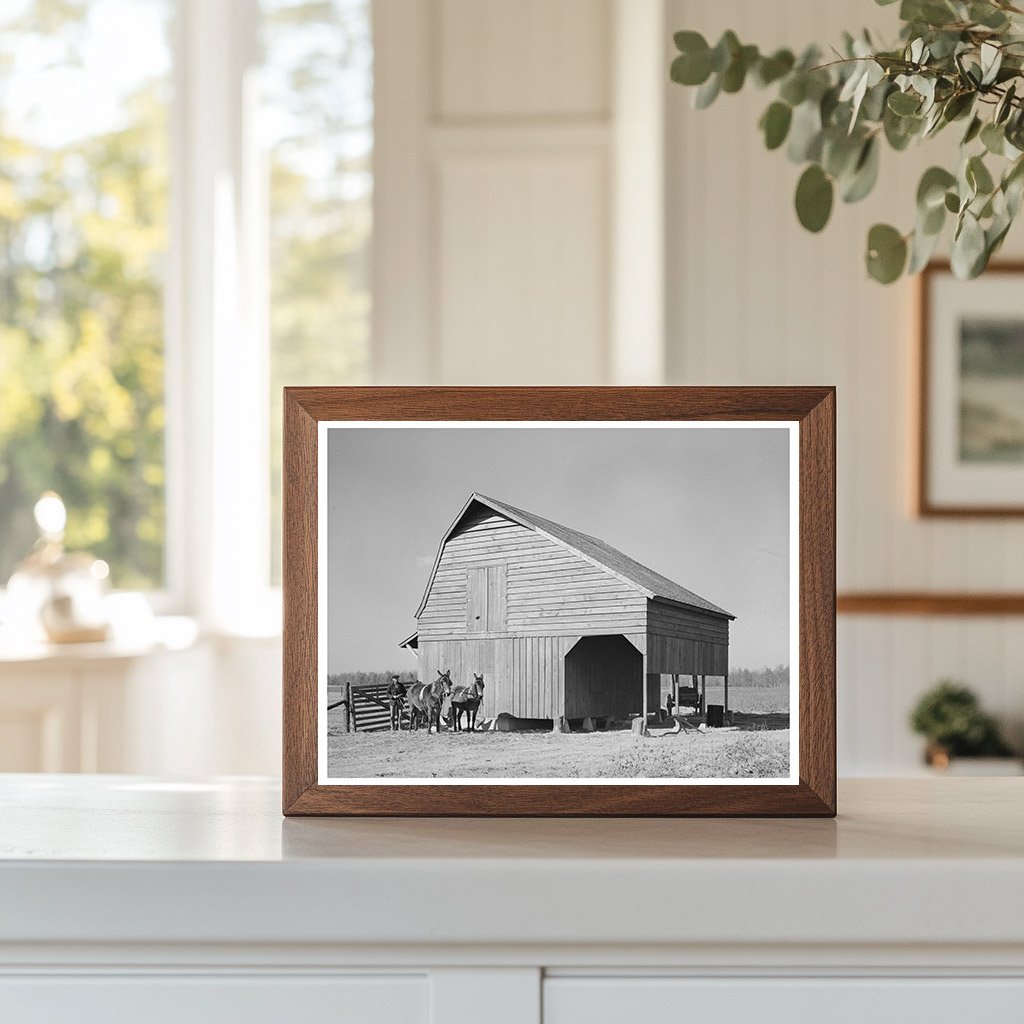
[[371, 710]]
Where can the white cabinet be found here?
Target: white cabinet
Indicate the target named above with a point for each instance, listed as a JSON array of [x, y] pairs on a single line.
[[203, 999], [830, 1000], [126, 899]]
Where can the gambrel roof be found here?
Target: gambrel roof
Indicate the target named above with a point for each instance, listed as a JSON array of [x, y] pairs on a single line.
[[631, 572]]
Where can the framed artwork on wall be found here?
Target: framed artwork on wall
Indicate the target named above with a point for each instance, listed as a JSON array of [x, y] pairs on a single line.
[[559, 601], [970, 445]]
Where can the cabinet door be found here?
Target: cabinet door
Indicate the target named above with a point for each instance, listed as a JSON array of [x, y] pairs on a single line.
[[784, 1000], [205, 999]]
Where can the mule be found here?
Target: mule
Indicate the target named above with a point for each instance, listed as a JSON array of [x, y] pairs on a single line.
[[425, 700], [466, 700]]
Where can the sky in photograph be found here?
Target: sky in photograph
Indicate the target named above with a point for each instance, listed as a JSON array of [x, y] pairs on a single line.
[[706, 507]]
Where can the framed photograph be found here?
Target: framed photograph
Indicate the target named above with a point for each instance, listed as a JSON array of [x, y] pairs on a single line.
[[970, 451], [559, 601]]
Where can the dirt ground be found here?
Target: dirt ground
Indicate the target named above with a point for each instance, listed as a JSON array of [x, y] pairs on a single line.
[[756, 753]]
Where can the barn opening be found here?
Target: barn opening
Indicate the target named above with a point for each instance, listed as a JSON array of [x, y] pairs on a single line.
[[603, 678]]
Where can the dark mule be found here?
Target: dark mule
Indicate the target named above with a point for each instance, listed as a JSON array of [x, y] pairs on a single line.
[[425, 700], [466, 700]]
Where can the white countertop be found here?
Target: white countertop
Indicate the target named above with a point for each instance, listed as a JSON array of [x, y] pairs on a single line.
[[122, 859]]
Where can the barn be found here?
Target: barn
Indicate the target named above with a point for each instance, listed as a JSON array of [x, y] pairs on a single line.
[[560, 624]]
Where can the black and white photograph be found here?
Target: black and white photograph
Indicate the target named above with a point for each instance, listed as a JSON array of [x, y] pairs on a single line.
[[578, 602]]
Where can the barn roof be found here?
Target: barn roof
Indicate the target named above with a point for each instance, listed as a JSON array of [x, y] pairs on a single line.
[[651, 583]]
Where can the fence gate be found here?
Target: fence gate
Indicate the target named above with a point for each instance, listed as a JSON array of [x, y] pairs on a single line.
[[371, 711]]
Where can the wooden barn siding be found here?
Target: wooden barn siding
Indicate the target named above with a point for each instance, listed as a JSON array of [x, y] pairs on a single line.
[[686, 623], [686, 640], [602, 677], [550, 590], [670, 654], [523, 675]]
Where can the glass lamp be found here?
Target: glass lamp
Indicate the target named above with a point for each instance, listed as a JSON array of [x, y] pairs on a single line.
[[56, 595]]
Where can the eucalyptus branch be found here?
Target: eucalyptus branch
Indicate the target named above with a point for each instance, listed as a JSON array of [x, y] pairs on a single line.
[[955, 61]]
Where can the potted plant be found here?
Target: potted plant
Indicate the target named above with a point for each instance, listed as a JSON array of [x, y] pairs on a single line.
[[950, 718], [956, 62]]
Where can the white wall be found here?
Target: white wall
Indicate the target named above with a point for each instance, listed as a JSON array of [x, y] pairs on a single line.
[[754, 299], [500, 131]]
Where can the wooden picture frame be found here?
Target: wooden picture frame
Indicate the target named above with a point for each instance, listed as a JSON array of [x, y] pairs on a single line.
[[807, 412], [941, 488]]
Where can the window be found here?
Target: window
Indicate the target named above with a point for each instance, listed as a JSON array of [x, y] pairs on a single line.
[[317, 88], [185, 222], [83, 236]]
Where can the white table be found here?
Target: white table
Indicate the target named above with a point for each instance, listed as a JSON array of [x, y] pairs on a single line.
[[124, 898]]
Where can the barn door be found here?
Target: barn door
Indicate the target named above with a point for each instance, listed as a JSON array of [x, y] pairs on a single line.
[[496, 576], [485, 599], [476, 600]]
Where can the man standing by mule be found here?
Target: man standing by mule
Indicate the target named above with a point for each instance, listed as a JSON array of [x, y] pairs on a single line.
[[396, 698]]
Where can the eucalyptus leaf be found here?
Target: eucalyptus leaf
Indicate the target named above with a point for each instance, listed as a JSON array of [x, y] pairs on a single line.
[[968, 248], [725, 49], [886, 253], [904, 103], [805, 133], [865, 173], [1013, 187], [931, 191], [931, 222], [735, 74], [993, 138], [688, 70], [873, 106], [987, 15], [900, 130], [771, 69], [957, 106], [794, 88], [775, 124], [707, 93], [991, 60], [922, 247], [840, 152], [1005, 105], [814, 195], [978, 175]]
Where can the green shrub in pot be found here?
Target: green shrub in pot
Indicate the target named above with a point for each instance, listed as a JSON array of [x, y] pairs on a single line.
[[950, 717]]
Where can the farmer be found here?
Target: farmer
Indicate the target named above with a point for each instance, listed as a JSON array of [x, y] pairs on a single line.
[[396, 698], [670, 703]]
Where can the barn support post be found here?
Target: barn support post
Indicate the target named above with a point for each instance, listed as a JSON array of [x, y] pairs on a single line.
[[703, 696], [643, 677], [726, 698], [346, 708]]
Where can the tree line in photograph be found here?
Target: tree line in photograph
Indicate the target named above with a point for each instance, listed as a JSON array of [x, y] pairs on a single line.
[[766, 676]]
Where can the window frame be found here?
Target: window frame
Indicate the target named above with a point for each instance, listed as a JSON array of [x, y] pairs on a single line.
[[215, 318], [216, 328]]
